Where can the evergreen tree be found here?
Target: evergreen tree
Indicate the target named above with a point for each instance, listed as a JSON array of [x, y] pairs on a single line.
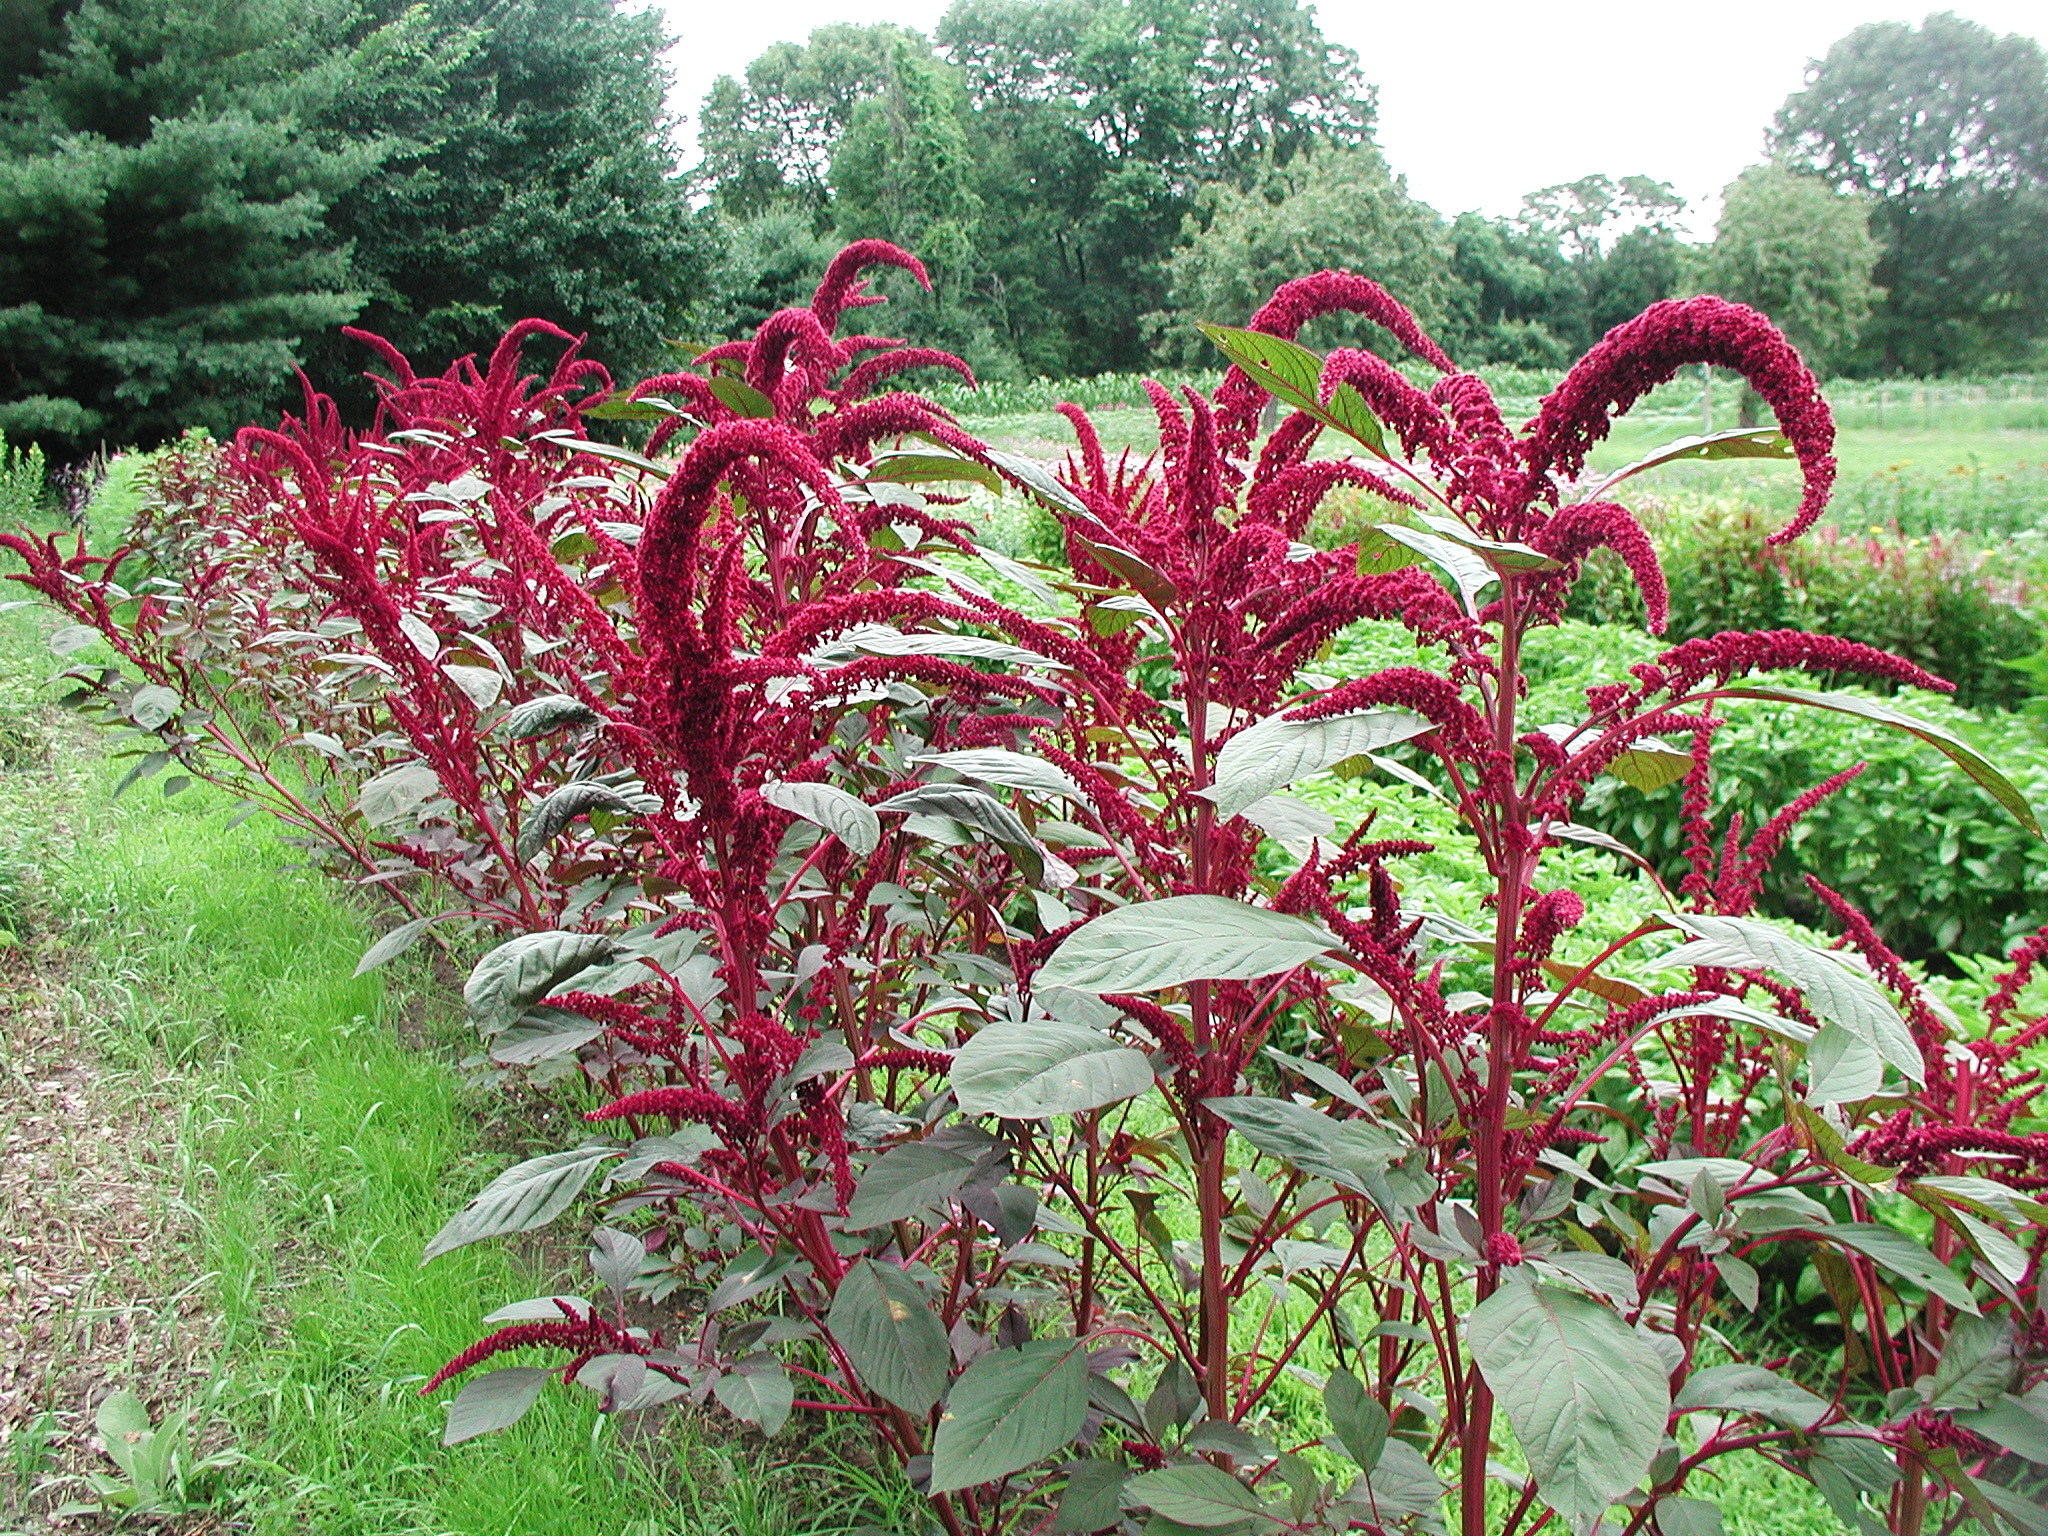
[[163, 255]]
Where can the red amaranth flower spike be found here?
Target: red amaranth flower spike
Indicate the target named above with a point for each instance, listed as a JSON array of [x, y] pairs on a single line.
[[1638, 355]]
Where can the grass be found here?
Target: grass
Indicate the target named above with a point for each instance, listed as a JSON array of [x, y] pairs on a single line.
[[316, 1151]]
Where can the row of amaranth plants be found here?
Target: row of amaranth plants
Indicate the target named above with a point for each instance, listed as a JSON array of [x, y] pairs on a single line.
[[986, 1049]]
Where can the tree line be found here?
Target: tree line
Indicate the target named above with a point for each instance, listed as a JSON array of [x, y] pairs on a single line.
[[196, 194]]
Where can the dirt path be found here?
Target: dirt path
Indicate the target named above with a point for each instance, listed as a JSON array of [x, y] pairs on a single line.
[[97, 1290]]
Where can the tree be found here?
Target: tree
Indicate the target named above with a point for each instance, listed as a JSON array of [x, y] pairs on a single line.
[[1333, 208], [1945, 128], [163, 255], [903, 172], [529, 170], [1095, 125], [197, 193], [769, 140], [1578, 259], [1790, 245]]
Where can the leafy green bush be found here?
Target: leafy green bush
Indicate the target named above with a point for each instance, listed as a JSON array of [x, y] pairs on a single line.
[[24, 482], [1936, 601]]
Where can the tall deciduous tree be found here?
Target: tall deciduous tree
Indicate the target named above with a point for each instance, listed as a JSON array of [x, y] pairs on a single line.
[[1790, 245], [1945, 128], [1330, 208]]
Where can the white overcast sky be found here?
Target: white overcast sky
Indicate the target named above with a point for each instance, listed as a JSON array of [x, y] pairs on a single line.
[[1482, 101]]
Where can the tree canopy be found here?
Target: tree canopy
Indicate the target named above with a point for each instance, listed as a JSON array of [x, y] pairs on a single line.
[[197, 193], [1790, 245], [1944, 127]]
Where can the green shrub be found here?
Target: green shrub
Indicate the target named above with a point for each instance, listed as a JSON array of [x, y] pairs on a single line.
[[1935, 600], [24, 482]]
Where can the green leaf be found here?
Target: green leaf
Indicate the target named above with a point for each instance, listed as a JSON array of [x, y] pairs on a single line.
[[1012, 770], [881, 640], [846, 817], [528, 1195], [546, 715], [397, 942], [1951, 746], [1347, 1152], [932, 469], [126, 1432], [619, 408], [1586, 1393], [543, 1034], [896, 1343], [1752, 1389], [1838, 993], [520, 972], [1153, 585], [1203, 1497], [1402, 1484], [1688, 1517], [971, 807], [545, 821], [1034, 480], [2010, 1422], [1292, 374], [1650, 765], [909, 1180], [1379, 555], [1501, 556], [1468, 572], [1359, 1420], [758, 1391], [1978, 1362], [741, 398], [1152, 945], [495, 1400], [153, 706], [1275, 752], [1902, 1256], [1091, 1500], [396, 793], [1010, 1408], [1742, 443], [1039, 1067]]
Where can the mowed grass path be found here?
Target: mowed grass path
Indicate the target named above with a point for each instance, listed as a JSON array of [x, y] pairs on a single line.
[[319, 1151]]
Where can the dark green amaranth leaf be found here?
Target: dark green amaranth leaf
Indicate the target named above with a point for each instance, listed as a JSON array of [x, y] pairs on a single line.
[[520, 972], [1752, 1389], [495, 1400], [398, 941], [1092, 1500], [1204, 1497], [1292, 374], [1036, 481], [846, 817], [545, 821], [1359, 1420], [890, 1333], [1951, 746], [1151, 945], [1586, 1394], [1347, 1152], [546, 715], [1275, 752], [758, 1391], [1902, 1255], [1742, 443], [1836, 991], [1033, 1068], [909, 1180], [1010, 1408], [932, 469], [523, 1197]]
